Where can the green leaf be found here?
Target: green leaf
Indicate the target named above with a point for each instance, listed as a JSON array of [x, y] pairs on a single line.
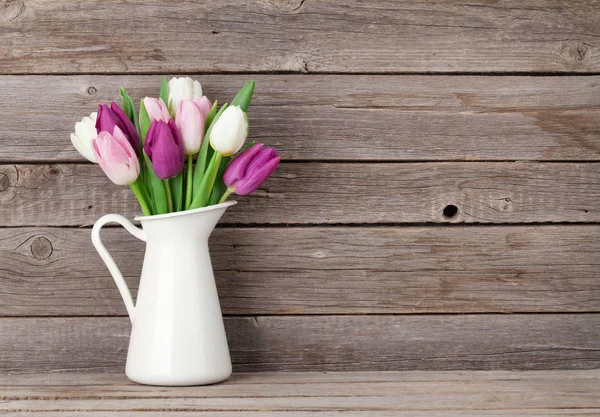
[[177, 191], [211, 116], [164, 90], [219, 187], [244, 96], [157, 189], [129, 109], [205, 154], [207, 183], [217, 191], [144, 122]]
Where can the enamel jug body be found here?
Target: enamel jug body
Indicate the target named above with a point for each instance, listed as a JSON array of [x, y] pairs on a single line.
[[177, 336]]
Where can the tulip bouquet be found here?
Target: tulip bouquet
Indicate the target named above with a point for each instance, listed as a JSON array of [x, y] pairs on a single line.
[[180, 152]]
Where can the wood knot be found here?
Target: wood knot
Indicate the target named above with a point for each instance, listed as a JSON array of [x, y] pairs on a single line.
[[54, 171], [41, 248], [4, 181], [288, 6], [574, 51], [91, 90], [12, 9], [156, 55]]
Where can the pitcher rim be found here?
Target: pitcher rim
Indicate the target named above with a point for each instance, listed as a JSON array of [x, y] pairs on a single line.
[[186, 212]]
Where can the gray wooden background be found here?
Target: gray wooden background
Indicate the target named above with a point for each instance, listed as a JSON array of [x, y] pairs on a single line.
[[385, 112]]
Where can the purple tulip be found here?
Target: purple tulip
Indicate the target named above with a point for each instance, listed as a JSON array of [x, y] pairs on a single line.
[[109, 117], [164, 147], [250, 169]]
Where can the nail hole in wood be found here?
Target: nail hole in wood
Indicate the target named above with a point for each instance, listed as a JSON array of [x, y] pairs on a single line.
[[450, 211]]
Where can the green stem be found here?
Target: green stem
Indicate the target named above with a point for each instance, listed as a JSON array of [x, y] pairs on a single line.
[[168, 194], [226, 195], [189, 181], [135, 187]]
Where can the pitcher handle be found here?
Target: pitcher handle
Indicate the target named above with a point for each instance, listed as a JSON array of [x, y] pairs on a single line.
[[108, 259]]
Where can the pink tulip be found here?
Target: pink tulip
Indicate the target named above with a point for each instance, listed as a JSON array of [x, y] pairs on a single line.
[[116, 156], [156, 109], [204, 105], [250, 169], [190, 123]]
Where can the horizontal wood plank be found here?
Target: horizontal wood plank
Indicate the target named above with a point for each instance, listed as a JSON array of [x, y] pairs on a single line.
[[420, 394], [56, 271], [564, 412], [326, 343], [340, 117], [300, 36], [324, 193]]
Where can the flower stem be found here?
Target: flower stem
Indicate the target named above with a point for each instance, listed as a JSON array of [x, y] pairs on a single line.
[[168, 195], [189, 181], [226, 195], [139, 193]]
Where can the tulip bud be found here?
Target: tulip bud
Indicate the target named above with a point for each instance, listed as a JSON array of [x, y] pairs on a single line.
[[164, 147], [116, 156], [230, 131], [204, 105], [182, 88], [109, 117], [85, 133], [190, 124], [250, 169], [156, 109]]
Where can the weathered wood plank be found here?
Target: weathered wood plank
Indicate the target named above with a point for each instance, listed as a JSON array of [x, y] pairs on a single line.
[[353, 393], [319, 193], [564, 412], [56, 271], [332, 117], [39, 381], [301, 36], [333, 343]]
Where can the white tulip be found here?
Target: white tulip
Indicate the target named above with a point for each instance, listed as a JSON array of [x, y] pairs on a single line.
[[182, 88], [228, 134], [85, 132]]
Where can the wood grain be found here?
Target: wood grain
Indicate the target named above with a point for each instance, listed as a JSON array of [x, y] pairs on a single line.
[[325, 343], [56, 271], [302, 394], [340, 117], [324, 193], [564, 412], [300, 36]]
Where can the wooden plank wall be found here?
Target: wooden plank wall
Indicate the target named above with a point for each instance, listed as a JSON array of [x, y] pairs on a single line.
[[386, 113]]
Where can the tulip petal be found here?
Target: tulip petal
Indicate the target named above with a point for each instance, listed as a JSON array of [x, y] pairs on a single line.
[[190, 125], [127, 127], [250, 183], [237, 168], [165, 149], [116, 157], [229, 132], [260, 159]]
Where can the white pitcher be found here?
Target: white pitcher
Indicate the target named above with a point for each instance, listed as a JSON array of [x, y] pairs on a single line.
[[177, 335]]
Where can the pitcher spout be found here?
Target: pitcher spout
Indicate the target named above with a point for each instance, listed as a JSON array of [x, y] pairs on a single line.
[[196, 224]]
